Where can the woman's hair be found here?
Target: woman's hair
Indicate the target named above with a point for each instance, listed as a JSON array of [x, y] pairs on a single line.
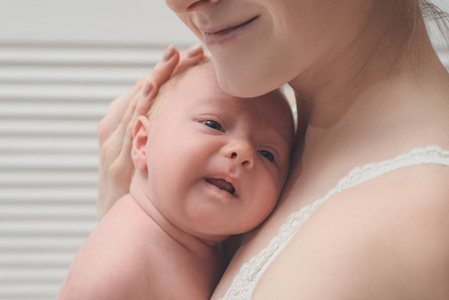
[[422, 18], [405, 40], [432, 13]]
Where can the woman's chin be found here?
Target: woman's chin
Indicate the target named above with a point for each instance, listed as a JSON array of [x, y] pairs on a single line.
[[245, 81], [239, 86]]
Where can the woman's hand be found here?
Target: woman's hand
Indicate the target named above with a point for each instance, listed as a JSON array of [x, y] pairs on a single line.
[[115, 129]]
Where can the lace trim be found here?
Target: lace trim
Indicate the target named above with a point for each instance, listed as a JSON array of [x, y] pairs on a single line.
[[245, 281]]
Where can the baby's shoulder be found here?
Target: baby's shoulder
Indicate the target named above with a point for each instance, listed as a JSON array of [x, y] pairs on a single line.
[[112, 264], [129, 256]]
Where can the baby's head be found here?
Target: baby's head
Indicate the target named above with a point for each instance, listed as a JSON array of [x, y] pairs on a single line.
[[212, 164]]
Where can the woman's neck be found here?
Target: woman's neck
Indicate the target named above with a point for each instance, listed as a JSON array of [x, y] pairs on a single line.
[[380, 121], [377, 100], [385, 48]]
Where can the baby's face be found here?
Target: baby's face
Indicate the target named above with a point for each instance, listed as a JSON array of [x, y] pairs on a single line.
[[216, 163]]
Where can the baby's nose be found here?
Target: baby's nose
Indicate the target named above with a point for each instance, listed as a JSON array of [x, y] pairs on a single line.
[[241, 152]]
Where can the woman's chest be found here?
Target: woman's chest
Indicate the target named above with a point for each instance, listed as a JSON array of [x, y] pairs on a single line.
[[260, 245], [302, 195]]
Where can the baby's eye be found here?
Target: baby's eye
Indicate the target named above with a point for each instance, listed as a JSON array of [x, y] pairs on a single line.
[[212, 124], [267, 154]]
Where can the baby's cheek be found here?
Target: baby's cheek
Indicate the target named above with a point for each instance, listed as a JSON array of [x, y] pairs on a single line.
[[269, 193], [283, 176]]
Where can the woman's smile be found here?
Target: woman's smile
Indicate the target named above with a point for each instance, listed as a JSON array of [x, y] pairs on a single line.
[[219, 35]]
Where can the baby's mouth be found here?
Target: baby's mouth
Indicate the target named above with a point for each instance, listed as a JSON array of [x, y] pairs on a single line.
[[222, 184]]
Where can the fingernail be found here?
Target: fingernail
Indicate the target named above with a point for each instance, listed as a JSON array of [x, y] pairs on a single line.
[[194, 50], [169, 53], [147, 89]]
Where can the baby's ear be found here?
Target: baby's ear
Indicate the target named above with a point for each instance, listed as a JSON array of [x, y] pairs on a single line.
[[140, 138]]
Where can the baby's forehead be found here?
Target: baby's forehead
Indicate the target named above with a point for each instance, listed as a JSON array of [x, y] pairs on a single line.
[[201, 83], [202, 70], [198, 88], [198, 77], [203, 78]]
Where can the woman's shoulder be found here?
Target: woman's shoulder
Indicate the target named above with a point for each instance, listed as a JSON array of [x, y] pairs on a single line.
[[385, 238]]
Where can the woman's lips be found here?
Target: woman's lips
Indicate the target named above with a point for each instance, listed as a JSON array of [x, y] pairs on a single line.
[[223, 35]]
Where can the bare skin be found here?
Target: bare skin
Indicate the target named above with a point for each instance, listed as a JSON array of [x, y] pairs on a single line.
[[115, 129], [163, 239], [384, 239], [144, 268]]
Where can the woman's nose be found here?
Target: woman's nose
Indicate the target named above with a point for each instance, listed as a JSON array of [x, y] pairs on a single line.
[[241, 152], [181, 6]]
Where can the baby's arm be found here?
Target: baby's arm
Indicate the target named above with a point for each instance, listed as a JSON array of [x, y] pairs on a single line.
[[94, 276]]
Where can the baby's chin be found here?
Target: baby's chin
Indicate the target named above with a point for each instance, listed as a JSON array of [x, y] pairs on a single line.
[[207, 230], [216, 233]]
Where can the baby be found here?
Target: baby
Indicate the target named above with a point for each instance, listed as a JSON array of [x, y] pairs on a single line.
[[207, 166]]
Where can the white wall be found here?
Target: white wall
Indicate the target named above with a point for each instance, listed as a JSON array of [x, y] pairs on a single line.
[[131, 21], [61, 63]]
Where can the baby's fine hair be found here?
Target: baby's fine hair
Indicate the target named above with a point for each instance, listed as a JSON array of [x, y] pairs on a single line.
[[179, 74], [175, 78]]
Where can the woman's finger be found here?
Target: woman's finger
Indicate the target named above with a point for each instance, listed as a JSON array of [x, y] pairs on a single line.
[[122, 109], [164, 69], [191, 56], [160, 74], [116, 111], [171, 61], [139, 100], [115, 131], [147, 96]]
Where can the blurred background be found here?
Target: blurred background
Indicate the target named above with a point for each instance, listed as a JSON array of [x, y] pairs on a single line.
[[61, 63]]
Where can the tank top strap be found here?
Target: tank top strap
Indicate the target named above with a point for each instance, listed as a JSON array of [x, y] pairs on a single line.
[[245, 281]]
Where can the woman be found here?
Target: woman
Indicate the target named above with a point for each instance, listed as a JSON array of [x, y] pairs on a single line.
[[369, 88]]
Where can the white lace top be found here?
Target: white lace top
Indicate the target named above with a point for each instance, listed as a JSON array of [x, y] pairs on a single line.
[[245, 281]]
